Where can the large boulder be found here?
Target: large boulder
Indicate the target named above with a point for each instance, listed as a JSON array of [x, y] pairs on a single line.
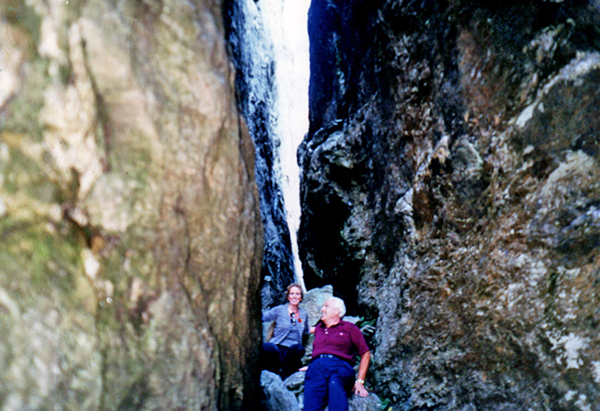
[[276, 395], [313, 302], [129, 218]]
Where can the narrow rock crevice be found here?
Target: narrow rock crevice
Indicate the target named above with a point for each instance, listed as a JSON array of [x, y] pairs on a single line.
[[252, 54]]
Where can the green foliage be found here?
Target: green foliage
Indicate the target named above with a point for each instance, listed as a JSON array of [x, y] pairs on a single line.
[[367, 326], [365, 322], [384, 404]]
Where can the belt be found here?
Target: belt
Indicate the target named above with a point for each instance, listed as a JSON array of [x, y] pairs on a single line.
[[331, 356], [327, 356]]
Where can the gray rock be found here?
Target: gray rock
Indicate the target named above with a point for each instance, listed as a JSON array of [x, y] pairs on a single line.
[[267, 330], [277, 396], [369, 403], [253, 58], [351, 319], [313, 301], [295, 382], [455, 197]]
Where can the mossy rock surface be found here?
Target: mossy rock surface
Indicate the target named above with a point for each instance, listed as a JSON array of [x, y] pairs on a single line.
[[129, 221]]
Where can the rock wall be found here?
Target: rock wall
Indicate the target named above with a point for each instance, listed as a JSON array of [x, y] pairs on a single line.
[[253, 55], [129, 215], [451, 186]]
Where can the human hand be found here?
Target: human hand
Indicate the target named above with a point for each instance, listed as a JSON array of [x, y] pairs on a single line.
[[360, 390], [303, 368]]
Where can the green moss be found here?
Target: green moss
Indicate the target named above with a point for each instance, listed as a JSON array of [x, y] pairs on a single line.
[[22, 114], [124, 361], [24, 174], [140, 263], [37, 261]]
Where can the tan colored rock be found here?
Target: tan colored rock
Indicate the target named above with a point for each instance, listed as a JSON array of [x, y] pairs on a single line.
[[131, 234]]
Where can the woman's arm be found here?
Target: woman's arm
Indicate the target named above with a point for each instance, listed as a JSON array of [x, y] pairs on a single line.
[[269, 315]]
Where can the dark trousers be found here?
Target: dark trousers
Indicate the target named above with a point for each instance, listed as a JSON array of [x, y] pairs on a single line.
[[328, 382], [282, 360]]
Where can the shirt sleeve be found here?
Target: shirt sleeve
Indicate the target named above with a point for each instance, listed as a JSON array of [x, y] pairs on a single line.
[[269, 315], [359, 340]]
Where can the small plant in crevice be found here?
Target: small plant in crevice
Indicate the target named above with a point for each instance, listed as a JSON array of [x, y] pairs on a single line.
[[384, 404], [367, 326]]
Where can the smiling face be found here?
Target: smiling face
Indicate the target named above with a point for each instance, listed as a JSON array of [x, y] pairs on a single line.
[[295, 295], [330, 312]]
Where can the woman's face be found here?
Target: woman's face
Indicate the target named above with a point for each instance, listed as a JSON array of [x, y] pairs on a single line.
[[295, 296]]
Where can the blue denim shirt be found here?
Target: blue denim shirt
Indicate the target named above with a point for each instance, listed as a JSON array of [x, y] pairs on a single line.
[[286, 333]]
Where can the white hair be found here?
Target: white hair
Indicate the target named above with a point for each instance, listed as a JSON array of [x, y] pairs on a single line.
[[339, 303]]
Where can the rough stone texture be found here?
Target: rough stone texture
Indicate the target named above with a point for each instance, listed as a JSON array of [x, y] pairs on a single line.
[[277, 396], [451, 186], [129, 219], [369, 403], [253, 56], [313, 302], [289, 394]]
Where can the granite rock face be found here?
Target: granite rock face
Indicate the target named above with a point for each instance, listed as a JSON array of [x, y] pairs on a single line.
[[451, 187], [129, 215]]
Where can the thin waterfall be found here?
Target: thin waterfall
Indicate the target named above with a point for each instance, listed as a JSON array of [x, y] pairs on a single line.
[[286, 24], [269, 45]]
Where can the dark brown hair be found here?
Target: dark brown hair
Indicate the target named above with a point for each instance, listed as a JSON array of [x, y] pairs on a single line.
[[287, 293]]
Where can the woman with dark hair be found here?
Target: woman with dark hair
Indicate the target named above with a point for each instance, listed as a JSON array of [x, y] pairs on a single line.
[[283, 353]]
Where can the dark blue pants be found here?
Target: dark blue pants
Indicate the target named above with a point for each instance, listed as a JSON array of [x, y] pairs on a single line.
[[328, 382], [282, 360]]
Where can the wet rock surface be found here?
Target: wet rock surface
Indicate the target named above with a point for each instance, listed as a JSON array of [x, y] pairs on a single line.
[[452, 172], [129, 216], [253, 56]]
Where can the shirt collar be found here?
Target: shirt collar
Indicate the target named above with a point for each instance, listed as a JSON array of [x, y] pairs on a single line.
[[322, 324]]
